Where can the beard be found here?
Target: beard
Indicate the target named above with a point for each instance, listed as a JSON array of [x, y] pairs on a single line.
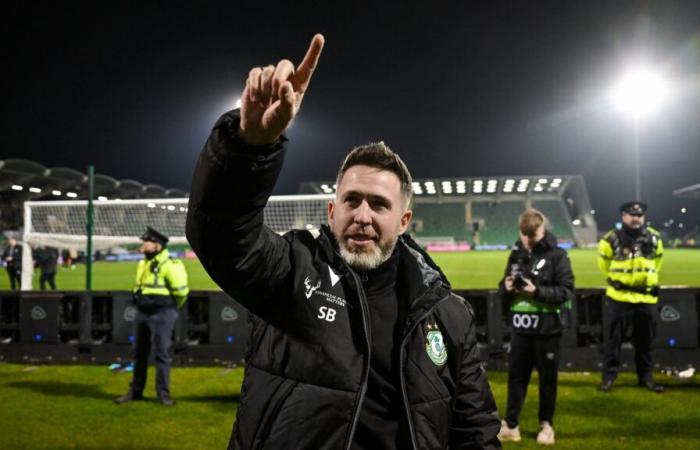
[[364, 260]]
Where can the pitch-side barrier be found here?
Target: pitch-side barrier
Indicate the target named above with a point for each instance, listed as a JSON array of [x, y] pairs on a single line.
[[96, 327]]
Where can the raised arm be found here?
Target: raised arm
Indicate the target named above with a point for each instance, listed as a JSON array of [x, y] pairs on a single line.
[[233, 179]]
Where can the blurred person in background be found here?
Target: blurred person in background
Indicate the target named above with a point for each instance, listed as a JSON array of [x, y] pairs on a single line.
[[12, 258]]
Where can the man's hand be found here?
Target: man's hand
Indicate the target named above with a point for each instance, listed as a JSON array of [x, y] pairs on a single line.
[[273, 95], [529, 287], [508, 283]]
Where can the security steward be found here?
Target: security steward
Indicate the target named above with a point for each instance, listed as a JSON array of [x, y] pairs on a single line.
[[161, 288], [630, 258]]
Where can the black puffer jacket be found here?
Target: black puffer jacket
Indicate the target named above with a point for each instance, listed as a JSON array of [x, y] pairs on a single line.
[[549, 269], [307, 370]]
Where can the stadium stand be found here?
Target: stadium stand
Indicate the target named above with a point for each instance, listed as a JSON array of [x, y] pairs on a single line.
[[448, 208], [498, 221], [558, 218], [440, 220], [23, 180]]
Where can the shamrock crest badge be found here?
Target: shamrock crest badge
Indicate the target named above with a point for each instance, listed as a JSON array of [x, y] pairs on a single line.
[[435, 345]]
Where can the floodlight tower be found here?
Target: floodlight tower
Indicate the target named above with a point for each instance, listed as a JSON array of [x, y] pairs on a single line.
[[638, 94]]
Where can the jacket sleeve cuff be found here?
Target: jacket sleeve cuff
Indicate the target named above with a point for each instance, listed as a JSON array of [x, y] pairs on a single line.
[[227, 126]]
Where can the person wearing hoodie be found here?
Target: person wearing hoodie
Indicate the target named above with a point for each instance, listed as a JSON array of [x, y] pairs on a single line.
[[538, 283]]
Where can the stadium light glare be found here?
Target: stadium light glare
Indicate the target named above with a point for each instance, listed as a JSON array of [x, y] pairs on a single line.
[[576, 222], [35, 190], [683, 210], [640, 92], [593, 212], [542, 181], [17, 187], [71, 195], [151, 205], [56, 193], [237, 103], [538, 188], [102, 198]]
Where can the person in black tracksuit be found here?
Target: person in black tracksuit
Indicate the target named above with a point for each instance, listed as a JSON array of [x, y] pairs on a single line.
[[357, 341], [12, 257], [47, 260], [538, 281]]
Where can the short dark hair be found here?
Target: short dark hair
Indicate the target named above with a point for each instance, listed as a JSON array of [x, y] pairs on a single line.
[[530, 220], [380, 156]]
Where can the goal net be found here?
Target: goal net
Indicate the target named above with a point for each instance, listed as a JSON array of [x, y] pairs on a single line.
[[116, 223]]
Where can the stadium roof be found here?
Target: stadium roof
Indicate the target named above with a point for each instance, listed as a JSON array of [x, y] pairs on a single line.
[[440, 187], [22, 179], [688, 192]]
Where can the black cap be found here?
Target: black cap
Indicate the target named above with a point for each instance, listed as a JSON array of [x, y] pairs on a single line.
[[634, 208], [154, 236]]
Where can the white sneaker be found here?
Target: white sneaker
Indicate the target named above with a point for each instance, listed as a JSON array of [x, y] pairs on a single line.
[[508, 434], [546, 434]]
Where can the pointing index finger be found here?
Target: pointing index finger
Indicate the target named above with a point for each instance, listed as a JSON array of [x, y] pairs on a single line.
[[308, 65]]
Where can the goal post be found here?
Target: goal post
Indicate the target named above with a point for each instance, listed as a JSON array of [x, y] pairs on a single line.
[[62, 224]]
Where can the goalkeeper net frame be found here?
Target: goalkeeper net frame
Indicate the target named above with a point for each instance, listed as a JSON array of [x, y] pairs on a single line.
[[62, 224]]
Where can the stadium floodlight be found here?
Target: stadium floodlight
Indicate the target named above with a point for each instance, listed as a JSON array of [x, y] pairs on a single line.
[[542, 181], [71, 195], [35, 190], [683, 210], [640, 92], [17, 187], [576, 222], [56, 193], [102, 198]]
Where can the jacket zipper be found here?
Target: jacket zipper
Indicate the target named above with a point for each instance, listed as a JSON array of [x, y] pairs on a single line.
[[401, 368], [365, 375]]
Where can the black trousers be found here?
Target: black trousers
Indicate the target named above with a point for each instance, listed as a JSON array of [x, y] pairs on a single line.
[[153, 330], [49, 278], [526, 352], [15, 274], [642, 318]]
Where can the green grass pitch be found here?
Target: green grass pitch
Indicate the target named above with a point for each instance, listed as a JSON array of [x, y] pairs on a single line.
[[468, 270], [70, 407]]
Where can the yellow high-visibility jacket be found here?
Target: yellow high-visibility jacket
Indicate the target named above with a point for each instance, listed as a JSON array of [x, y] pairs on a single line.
[[162, 275], [631, 265]]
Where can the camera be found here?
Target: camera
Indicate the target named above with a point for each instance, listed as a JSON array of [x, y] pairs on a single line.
[[518, 279], [518, 276]]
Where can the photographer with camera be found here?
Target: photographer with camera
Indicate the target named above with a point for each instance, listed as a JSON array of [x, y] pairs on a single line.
[[538, 281]]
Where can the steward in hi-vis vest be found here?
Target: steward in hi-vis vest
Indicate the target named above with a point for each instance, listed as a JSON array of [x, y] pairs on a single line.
[[630, 259], [161, 288], [538, 284]]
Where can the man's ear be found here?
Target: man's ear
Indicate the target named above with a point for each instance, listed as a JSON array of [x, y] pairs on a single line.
[[405, 220], [331, 207]]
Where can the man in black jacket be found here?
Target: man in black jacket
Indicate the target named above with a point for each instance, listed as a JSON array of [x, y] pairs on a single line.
[[357, 340], [47, 261], [538, 281], [12, 257]]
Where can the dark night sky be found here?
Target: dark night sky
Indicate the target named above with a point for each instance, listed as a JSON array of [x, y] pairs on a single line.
[[494, 88]]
